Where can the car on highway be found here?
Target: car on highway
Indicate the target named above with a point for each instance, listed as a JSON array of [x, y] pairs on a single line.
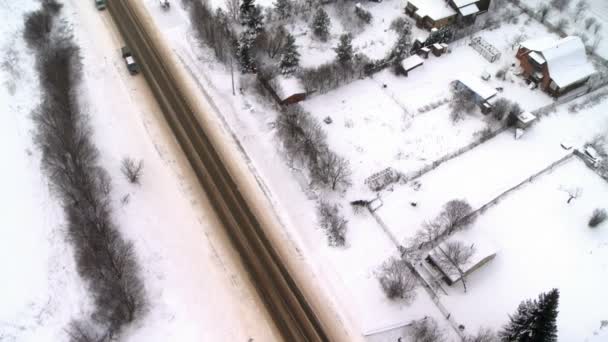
[[100, 4], [130, 61]]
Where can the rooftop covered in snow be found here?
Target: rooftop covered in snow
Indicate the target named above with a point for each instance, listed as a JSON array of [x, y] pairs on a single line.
[[566, 58], [434, 9], [477, 86]]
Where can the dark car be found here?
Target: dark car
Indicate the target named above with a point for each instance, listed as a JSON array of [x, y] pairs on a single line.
[[130, 61]]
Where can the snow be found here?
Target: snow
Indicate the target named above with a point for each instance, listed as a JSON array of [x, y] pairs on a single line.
[[463, 3], [41, 291], [526, 117], [434, 9], [544, 243], [195, 283], [382, 122]]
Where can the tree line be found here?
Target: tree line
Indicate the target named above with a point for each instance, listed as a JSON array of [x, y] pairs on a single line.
[[104, 259]]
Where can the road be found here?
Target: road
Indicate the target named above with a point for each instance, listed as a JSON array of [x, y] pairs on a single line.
[[290, 309]]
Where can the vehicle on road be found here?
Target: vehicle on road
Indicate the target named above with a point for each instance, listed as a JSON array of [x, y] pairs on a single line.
[[130, 61], [100, 4], [165, 4]]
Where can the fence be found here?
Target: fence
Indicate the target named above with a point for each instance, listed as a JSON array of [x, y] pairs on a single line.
[[430, 167]]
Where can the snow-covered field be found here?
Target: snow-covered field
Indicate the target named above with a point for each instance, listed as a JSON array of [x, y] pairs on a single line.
[[197, 288], [543, 243]]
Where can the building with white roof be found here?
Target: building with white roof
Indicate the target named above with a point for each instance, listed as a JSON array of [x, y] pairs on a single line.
[[438, 13], [557, 65]]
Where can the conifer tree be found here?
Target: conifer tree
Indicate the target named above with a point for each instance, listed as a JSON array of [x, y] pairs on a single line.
[[290, 58], [535, 320], [402, 46], [283, 8], [244, 52], [344, 51], [245, 10], [321, 24]]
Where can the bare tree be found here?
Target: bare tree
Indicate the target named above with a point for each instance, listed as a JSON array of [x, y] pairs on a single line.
[[542, 11], [573, 193], [452, 256], [132, 169], [276, 40], [332, 170], [560, 5], [426, 330], [455, 213], [597, 28], [579, 9], [397, 280], [589, 22], [428, 234], [334, 224], [562, 24], [518, 39], [483, 335], [233, 8]]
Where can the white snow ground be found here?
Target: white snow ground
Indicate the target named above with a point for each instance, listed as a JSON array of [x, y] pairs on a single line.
[[197, 288]]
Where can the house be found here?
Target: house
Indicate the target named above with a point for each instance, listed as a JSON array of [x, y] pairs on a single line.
[[557, 65], [439, 13], [284, 90], [411, 63], [483, 250], [483, 94]]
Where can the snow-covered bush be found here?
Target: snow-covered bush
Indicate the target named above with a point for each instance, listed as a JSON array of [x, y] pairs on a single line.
[[463, 102], [598, 216], [334, 224], [363, 14], [396, 280], [426, 330]]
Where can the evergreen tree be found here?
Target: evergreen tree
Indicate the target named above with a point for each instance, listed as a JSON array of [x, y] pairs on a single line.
[[344, 51], [402, 47], [290, 58], [283, 8], [535, 320], [321, 24], [245, 10], [244, 52]]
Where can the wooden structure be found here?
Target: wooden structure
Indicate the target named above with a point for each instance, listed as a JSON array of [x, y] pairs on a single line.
[[525, 119], [430, 14], [557, 66], [483, 94], [424, 52], [284, 90], [437, 49], [411, 63], [380, 180]]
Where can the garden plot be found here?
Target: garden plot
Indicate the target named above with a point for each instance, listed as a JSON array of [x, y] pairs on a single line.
[[483, 173], [377, 127], [543, 243], [355, 270]]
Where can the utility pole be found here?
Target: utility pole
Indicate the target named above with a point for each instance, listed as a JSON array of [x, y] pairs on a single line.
[[232, 76]]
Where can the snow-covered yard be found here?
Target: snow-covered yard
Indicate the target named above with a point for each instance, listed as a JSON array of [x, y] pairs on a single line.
[[543, 243]]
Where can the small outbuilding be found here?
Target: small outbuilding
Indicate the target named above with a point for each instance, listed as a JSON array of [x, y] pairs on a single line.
[[483, 250], [438, 49], [411, 63], [525, 119], [483, 94], [424, 52]]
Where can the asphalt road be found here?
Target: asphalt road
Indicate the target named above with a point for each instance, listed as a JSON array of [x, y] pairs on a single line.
[[292, 314]]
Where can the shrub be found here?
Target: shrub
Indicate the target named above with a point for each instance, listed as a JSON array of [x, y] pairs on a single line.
[[132, 169], [598, 216], [334, 224], [363, 14], [396, 280]]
